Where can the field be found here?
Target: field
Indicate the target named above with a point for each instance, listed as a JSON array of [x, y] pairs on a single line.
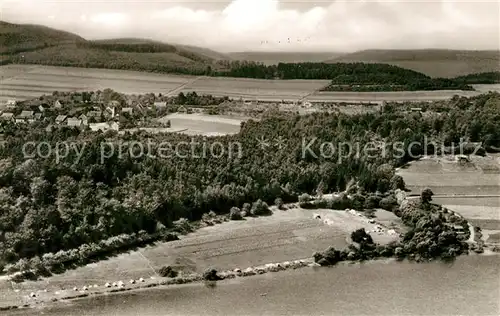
[[256, 88], [285, 235], [22, 82], [203, 124], [472, 190], [388, 96]]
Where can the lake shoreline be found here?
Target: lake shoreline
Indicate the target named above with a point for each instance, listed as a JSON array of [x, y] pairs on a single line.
[[198, 278]]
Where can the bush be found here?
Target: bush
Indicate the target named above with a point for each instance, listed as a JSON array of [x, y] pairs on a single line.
[[372, 202], [321, 203], [260, 208], [279, 203], [397, 182], [182, 226], [235, 214], [211, 275], [426, 195], [358, 202], [167, 272], [340, 202], [389, 203], [304, 198], [361, 236], [246, 209]]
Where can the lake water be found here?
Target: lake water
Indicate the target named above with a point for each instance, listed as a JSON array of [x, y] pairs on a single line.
[[468, 286]]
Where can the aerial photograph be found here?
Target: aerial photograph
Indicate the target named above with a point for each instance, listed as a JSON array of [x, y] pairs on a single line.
[[250, 157]]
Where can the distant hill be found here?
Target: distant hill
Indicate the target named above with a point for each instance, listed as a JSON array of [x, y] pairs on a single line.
[[34, 44], [16, 38], [206, 52], [274, 58], [432, 62]]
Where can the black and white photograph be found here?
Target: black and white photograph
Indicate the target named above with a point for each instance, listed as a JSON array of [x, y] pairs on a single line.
[[250, 157]]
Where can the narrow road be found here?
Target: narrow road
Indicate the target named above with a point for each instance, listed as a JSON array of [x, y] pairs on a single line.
[[175, 91]]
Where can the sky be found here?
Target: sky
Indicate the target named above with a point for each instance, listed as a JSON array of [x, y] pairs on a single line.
[[274, 25]]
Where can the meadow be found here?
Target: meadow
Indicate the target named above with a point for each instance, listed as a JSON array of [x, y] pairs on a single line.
[[286, 235], [203, 124]]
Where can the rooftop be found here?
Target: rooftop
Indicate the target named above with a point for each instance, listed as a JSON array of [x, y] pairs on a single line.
[[26, 114]]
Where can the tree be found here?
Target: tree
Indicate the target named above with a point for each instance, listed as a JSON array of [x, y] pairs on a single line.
[[426, 196], [167, 272], [211, 275], [397, 182], [361, 236]]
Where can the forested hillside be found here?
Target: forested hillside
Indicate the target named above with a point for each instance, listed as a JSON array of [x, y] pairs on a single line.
[[436, 63], [49, 208], [15, 38]]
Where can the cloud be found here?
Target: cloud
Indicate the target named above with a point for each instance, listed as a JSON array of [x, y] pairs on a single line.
[[237, 25]]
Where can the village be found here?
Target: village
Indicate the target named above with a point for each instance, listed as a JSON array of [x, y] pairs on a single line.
[[94, 111], [110, 110]]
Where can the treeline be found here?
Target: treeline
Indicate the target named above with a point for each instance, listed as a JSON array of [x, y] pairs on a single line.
[[70, 56], [341, 73], [146, 47], [480, 78], [192, 98], [50, 204], [347, 76]]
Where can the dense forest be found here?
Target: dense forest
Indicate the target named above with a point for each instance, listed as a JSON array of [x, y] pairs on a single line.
[[56, 209], [480, 78]]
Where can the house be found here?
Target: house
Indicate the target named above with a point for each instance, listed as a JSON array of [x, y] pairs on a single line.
[[84, 119], [114, 103], [7, 116], [43, 107], [109, 112], [73, 122], [182, 109], [38, 116], [11, 103], [416, 109], [25, 117], [462, 158], [95, 114], [104, 126], [160, 104], [457, 228], [128, 110], [58, 104], [60, 119]]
